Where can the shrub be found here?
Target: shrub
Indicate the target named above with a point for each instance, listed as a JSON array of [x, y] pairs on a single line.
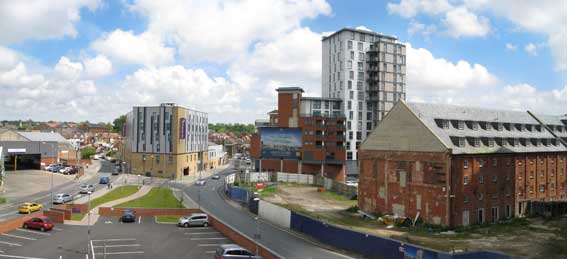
[[352, 209]]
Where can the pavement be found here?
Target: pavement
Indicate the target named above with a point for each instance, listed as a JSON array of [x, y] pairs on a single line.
[[284, 242], [98, 169]]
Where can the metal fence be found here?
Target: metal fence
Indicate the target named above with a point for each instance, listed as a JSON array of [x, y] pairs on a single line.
[[295, 178]]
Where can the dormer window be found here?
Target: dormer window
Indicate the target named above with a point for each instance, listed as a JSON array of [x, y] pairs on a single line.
[[488, 126], [511, 127], [551, 127], [504, 142], [475, 125], [516, 142], [461, 125], [529, 127], [522, 127], [559, 129], [500, 126], [445, 124], [491, 142], [476, 142], [528, 143], [461, 142], [538, 142]]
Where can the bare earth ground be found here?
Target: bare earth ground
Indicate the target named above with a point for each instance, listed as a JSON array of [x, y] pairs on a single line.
[[532, 238]]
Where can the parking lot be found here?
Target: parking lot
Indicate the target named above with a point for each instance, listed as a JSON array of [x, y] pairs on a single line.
[[112, 239]]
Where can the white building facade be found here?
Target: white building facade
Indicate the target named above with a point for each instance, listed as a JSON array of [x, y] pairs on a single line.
[[367, 71]]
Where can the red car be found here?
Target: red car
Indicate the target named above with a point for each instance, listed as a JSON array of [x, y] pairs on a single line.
[[42, 223]]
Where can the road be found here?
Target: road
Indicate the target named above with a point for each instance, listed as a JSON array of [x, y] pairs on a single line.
[[286, 244], [9, 210]]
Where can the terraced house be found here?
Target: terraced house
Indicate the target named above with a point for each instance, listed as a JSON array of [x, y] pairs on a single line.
[[455, 165], [165, 141]]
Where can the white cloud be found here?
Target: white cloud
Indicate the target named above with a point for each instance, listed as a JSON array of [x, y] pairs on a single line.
[[461, 22], [68, 69], [531, 49], [125, 47], [8, 58], [39, 19], [511, 47], [219, 31], [363, 28], [425, 30], [97, 67], [411, 8]]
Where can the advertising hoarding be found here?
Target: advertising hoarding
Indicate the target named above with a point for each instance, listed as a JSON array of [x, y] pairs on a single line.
[[280, 143]]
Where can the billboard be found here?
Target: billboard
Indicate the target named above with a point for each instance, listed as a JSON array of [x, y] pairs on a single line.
[[280, 143]]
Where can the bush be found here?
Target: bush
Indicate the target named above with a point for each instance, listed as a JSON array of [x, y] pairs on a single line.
[[352, 209], [87, 152], [2, 200]]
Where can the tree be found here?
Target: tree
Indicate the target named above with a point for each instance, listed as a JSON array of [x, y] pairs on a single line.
[[87, 152], [117, 123]]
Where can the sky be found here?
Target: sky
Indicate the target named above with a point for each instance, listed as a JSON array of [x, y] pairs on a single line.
[[75, 60]]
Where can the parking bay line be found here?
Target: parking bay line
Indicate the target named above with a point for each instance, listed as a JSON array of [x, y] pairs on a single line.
[[120, 253], [210, 244], [115, 239], [202, 233], [30, 231], [109, 246], [208, 238], [16, 236], [17, 256], [10, 244]]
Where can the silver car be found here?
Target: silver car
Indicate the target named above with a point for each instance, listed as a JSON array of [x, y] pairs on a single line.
[[232, 251], [86, 188], [197, 219], [61, 198]]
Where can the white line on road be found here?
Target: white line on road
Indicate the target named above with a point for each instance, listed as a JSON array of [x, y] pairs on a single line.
[[133, 245], [57, 229], [140, 220], [31, 231], [210, 244], [115, 239], [210, 252], [121, 253], [92, 249], [16, 236], [202, 233], [8, 214], [21, 257], [208, 238], [10, 244]]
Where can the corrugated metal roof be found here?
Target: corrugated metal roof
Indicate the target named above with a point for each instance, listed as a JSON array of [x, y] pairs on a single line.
[[429, 113], [42, 136]]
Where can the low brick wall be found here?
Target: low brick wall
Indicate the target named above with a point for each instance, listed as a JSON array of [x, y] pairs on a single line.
[[55, 215], [10, 225], [240, 239], [66, 212], [106, 211], [84, 208]]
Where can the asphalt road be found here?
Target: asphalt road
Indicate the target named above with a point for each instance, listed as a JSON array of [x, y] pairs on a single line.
[[9, 210], [286, 244]]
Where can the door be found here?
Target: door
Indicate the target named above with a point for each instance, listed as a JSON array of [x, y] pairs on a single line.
[[465, 218], [494, 213], [480, 216]]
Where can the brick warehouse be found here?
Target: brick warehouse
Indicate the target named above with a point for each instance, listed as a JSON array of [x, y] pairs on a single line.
[[458, 166], [322, 123]]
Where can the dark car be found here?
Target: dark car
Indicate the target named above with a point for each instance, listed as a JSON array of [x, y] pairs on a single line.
[[104, 180], [128, 216], [41, 223], [232, 251], [56, 168]]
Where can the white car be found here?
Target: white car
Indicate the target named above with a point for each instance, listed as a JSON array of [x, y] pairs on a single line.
[[47, 168], [200, 182], [96, 157], [61, 198]]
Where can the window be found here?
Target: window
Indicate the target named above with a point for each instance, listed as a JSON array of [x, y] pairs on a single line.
[[462, 142], [542, 174], [466, 199], [360, 66], [475, 125], [481, 196], [494, 178], [477, 142], [531, 189], [481, 162], [359, 85], [349, 84], [349, 64], [361, 37], [466, 164], [360, 46], [360, 56], [461, 125], [488, 126], [494, 162], [481, 179], [520, 175], [351, 75], [542, 188], [352, 55], [480, 216], [351, 95], [445, 124], [561, 171], [508, 211], [349, 45], [466, 180], [494, 214], [531, 174]]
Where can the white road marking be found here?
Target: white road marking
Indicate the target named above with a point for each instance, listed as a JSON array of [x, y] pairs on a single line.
[[57, 229], [210, 244], [210, 252], [10, 244], [140, 220], [92, 249], [22, 257], [120, 253], [133, 245], [16, 236], [209, 238], [7, 214], [35, 232], [115, 239], [202, 233]]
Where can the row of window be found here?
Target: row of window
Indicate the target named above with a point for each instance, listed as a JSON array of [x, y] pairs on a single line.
[[480, 217], [499, 126], [503, 142], [482, 162], [542, 174], [542, 188]]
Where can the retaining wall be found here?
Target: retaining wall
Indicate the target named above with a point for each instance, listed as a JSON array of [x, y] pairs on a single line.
[[274, 214]]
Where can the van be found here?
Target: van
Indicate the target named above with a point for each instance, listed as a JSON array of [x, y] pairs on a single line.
[[196, 219]]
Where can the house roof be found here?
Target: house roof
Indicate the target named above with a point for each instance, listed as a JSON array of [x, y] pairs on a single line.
[[521, 132], [42, 136]]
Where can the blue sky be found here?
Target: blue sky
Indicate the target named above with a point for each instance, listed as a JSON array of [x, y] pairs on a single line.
[[206, 62]]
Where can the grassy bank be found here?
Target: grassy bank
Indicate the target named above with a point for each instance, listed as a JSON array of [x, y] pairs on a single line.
[[156, 198]]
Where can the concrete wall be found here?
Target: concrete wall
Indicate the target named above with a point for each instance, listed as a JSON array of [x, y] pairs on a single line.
[[295, 178], [274, 214]]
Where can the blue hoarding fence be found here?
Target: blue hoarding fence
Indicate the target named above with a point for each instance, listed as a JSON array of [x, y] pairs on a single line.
[[374, 247], [237, 194]]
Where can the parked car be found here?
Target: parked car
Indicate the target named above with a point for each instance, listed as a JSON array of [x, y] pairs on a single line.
[[104, 180], [55, 168], [96, 157], [201, 182], [86, 188], [61, 198], [66, 170], [49, 167], [216, 177], [233, 251], [128, 216], [112, 159], [29, 207], [41, 223], [196, 219], [72, 170]]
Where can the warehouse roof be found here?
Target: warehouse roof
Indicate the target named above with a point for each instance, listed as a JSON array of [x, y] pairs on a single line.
[[42, 136]]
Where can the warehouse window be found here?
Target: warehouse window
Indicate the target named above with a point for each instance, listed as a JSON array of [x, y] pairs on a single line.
[[466, 180], [466, 164]]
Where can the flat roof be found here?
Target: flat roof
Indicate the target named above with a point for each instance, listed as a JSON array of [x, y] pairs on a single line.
[[321, 98], [361, 31], [290, 89]]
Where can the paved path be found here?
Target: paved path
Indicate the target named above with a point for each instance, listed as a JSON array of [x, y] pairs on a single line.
[[94, 211]]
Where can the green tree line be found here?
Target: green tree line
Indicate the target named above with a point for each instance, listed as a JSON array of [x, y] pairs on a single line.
[[236, 128]]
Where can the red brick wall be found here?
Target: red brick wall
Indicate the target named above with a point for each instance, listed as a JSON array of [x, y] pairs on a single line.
[[10, 225], [83, 207], [66, 212], [382, 189], [56, 216]]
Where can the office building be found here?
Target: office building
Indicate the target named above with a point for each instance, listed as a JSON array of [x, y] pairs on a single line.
[[367, 71], [453, 165], [165, 141], [321, 126]]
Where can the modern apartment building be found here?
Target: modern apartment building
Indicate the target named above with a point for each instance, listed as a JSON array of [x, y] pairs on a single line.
[[367, 71], [321, 122], [165, 141], [455, 165]]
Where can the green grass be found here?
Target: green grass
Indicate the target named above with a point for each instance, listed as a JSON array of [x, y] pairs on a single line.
[[2, 200], [77, 216], [267, 192], [118, 193], [333, 196], [156, 198], [168, 219]]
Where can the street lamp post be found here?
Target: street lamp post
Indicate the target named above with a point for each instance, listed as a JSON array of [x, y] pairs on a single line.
[[257, 236], [89, 221], [52, 173]]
